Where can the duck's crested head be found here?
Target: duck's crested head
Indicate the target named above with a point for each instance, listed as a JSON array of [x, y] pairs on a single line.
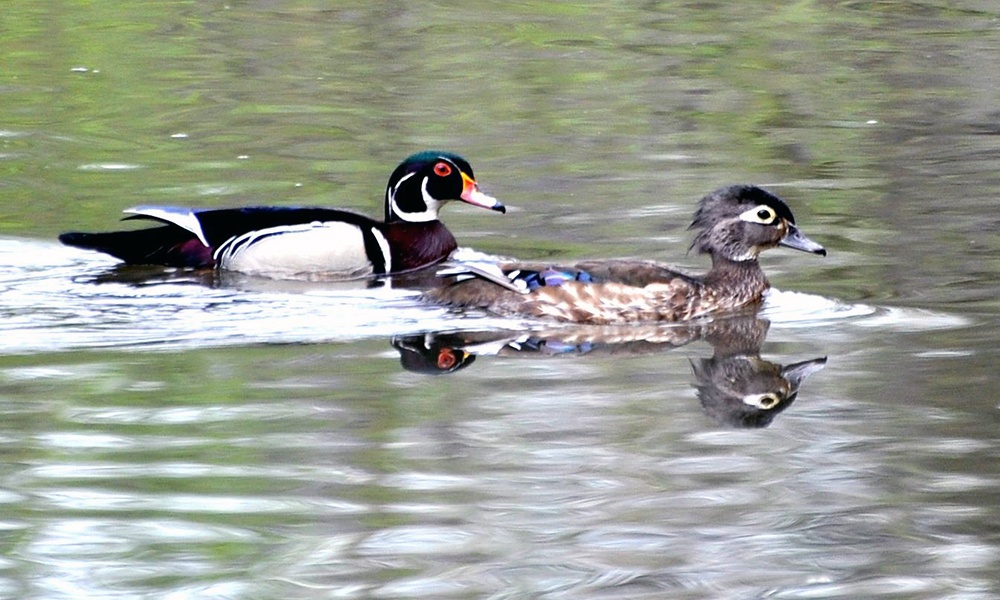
[[738, 222], [425, 181], [747, 391]]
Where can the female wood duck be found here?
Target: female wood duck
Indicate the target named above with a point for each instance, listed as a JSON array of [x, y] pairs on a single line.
[[307, 242], [735, 224]]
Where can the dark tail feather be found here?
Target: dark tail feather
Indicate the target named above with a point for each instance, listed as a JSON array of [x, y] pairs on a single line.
[[169, 246]]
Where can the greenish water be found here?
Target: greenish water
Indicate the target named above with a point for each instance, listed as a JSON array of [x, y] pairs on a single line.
[[167, 438]]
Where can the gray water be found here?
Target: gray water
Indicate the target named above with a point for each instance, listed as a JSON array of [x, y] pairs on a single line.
[[165, 435]]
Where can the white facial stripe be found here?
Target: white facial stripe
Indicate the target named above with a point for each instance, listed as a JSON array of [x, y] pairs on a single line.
[[431, 214], [433, 205], [391, 192], [401, 180], [383, 245]]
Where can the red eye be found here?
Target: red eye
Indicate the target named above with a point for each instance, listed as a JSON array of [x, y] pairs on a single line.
[[442, 169], [446, 357]]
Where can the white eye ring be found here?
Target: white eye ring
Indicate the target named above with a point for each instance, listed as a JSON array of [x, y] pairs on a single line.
[[765, 401], [761, 214]]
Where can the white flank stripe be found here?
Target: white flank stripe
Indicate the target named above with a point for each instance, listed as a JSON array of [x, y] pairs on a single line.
[[383, 245], [237, 244]]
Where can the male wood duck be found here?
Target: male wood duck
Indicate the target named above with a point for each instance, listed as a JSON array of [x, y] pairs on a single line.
[[735, 224], [297, 242]]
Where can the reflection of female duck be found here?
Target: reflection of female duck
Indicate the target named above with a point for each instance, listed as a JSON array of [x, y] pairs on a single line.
[[748, 391], [736, 387]]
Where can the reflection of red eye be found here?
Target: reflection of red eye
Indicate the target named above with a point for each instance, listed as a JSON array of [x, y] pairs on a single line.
[[446, 357], [442, 169]]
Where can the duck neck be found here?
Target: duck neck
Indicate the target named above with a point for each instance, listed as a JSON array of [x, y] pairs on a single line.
[[743, 279], [416, 245]]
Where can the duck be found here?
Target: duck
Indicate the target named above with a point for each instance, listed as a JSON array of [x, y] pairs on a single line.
[[306, 242], [734, 225]]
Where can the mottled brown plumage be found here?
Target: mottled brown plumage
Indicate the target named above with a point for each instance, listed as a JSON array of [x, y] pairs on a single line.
[[735, 224]]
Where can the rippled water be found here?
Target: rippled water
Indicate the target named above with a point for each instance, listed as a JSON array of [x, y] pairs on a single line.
[[58, 299], [168, 435]]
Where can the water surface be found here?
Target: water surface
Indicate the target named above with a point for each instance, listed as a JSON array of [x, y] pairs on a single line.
[[168, 436]]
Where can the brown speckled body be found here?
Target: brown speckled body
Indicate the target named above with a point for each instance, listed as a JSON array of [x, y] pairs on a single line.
[[633, 291]]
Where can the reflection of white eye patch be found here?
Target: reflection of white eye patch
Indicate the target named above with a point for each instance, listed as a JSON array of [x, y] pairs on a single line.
[[762, 214], [764, 401]]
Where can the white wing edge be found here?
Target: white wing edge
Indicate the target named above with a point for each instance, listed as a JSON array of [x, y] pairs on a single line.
[[486, 270], [185, 218]]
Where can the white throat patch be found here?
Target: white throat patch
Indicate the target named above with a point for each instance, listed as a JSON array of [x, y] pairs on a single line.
[[751, 255]]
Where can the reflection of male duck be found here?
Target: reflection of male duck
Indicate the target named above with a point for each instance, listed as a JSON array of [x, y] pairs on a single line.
[[433, 353], [736, 387]]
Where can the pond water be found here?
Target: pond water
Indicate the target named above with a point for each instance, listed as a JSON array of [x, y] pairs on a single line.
[[167, 435]]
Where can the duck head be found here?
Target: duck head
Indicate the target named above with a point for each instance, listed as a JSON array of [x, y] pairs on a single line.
[[747, 391], [431, 355], [739, 222], [424, 182]]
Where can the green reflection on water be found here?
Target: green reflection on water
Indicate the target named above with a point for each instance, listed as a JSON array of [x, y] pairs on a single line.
[[602, 124], [321, 104]]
